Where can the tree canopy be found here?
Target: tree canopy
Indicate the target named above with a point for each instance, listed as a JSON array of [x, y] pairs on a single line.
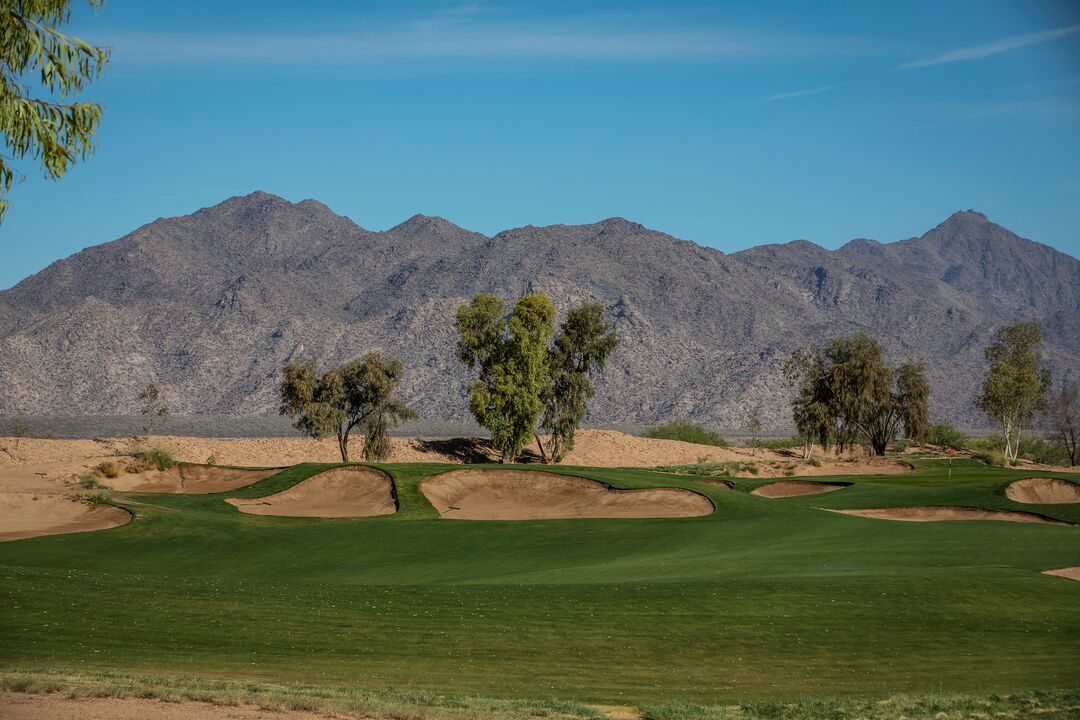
[[510, 355], [1016, 382], [846, 392], [522, 379], [47, 129], [582, 348], [151, 406], [359, 393]]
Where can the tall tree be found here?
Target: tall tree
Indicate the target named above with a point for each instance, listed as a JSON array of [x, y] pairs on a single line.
[[332, 404], [511, 358], [582, 348], [1016, 383], [870, 397], [151, 407], [812, 406], [846, 392], [48, 129], [1063, 416]]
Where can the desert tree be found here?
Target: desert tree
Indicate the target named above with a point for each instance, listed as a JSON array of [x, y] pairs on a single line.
[[847, 392], [510, 356], [581, 349], [333, 403], [873, 399], [753, 425], [151, 407], [1017, 382], [19, 431], [1063, 418], [811, 407], [53, 129]]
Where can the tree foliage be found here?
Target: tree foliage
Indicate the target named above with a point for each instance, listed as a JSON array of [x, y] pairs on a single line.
[[332, 404], [1063, 416], [1016, 383], [511, 357], [846, 392], [50, 130], [581, 349], [151, 406]]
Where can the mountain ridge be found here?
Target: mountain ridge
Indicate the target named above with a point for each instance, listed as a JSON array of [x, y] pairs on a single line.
[[209, 305]]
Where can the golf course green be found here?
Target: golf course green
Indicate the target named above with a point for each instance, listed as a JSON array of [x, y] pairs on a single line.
[[763, 598]]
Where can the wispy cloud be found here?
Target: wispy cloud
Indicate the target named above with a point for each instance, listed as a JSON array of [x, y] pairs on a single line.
[[799, 93], [996, 47], [466, 36]]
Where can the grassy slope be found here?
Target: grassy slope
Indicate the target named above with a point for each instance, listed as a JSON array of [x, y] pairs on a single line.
[[765, 598]]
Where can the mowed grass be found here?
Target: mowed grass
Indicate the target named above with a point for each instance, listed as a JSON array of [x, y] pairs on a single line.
[[764, 600]]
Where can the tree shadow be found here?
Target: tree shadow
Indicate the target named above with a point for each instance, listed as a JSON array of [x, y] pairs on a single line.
[[473, 451]]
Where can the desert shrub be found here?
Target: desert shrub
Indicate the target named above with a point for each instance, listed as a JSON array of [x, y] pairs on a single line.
[[149, 458], [901, 445], [212, 460], [90, 482], [101, 497], [1039, 450], [946, 435], [703, 469], [687, 432], [990, 457], [815, 462], [108, 469]]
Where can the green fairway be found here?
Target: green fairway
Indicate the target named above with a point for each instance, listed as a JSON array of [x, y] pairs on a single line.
[[762, 599]]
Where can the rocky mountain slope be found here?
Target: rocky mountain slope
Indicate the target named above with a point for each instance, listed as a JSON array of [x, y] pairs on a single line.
[[210, 305]]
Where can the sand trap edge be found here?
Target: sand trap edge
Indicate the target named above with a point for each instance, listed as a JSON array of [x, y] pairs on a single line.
[[1030, 517], [1017, 491], [239, 503], [1068, 573], [129, 516], [826, 487], [607, 487]]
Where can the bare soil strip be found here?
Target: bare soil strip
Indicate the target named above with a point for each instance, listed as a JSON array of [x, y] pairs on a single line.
[[191, 479], [1071, 573], [1043, 491], [27, 515], [56, 706], [931, 514], [341, 492], [537, 495], [795, 488]]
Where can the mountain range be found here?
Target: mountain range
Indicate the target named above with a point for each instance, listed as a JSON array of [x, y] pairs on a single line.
[[209, 306]]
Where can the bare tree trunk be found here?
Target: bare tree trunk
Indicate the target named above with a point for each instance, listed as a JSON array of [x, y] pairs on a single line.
[[543, 455], [343, 445]]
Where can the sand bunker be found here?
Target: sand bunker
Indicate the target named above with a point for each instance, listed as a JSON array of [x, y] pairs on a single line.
[[1071, 573], [929, 514], [26, 515], [536, 495], [1044, 491], [794, 488], [190, 479], [341, 492]]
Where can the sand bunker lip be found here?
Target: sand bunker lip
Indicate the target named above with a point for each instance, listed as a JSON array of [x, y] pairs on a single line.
[[191, 479], [1043, 491], [1069, 573], [795, 488], [354, 491], [934, 513], [538, 495], [26, 515]]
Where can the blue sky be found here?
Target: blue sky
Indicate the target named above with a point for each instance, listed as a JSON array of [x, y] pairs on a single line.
[[730, 124]]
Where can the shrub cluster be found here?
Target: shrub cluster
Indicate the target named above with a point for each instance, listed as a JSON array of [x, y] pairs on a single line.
[[687, 432]]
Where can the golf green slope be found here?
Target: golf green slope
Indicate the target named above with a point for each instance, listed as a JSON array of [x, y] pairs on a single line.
[[763, 598]]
